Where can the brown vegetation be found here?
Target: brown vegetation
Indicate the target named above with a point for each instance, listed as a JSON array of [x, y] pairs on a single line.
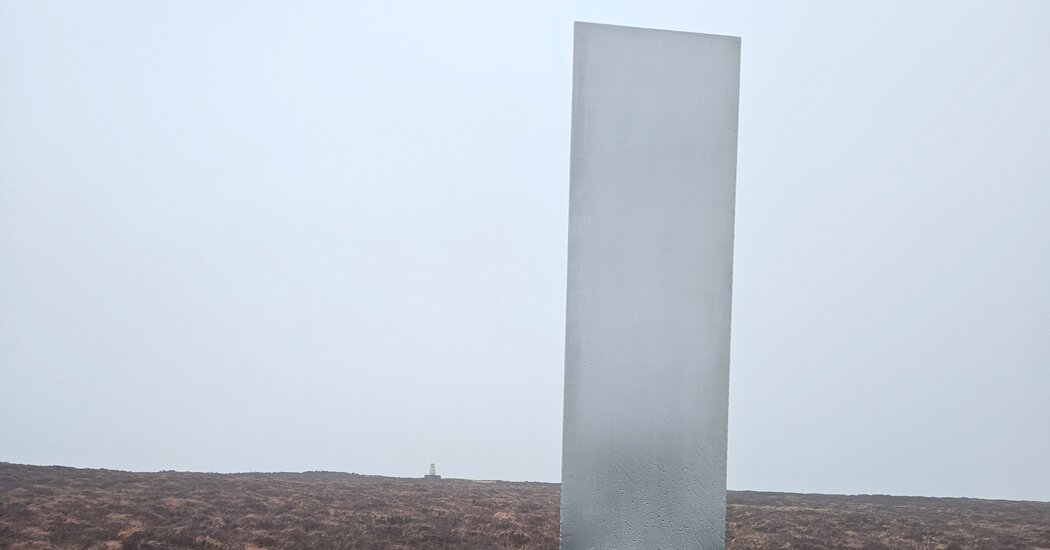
[[786, 520], [56, 507]]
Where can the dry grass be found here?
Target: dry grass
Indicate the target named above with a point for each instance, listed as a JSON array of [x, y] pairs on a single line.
[[785, 520], [55, 507]]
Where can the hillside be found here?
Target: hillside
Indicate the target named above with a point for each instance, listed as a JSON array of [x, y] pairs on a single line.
[[57, 507]]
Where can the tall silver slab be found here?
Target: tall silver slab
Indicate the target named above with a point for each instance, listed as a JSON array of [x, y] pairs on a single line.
[[653, 177]]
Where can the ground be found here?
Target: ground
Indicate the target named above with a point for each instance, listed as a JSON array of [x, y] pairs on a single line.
[[57, 507]]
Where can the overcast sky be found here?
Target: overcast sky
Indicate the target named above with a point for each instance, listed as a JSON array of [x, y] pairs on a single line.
[[332, 235]]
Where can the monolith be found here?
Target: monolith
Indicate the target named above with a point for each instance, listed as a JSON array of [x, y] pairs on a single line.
[[652, 193]]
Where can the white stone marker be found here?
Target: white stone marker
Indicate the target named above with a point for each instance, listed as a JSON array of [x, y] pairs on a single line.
[[653, 177]]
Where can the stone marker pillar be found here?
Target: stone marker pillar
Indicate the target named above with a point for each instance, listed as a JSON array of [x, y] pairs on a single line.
[[653, 177]]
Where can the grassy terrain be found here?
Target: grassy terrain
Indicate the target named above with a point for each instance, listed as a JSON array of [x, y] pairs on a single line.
[[56, 507]]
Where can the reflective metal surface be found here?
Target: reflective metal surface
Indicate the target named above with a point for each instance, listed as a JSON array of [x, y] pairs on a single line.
[[654, 135]]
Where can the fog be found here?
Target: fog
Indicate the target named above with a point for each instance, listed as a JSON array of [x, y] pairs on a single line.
[[258, 236]]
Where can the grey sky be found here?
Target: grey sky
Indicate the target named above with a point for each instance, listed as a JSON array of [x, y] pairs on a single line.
[[288, 236]]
